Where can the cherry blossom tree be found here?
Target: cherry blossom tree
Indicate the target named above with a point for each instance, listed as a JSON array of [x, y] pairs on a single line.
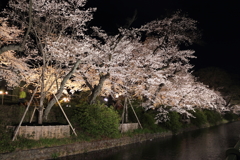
[[144, 61], [10, 65], [47, 23], [150, 62], [145, 58], [157, 55], [223, 82], [183, 93]]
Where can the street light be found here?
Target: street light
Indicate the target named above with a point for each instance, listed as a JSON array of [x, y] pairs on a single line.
[[2, 93]]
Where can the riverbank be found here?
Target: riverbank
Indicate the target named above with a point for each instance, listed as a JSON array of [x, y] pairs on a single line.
[[88, 141], [208, 143], [78, 148], [84, 147]]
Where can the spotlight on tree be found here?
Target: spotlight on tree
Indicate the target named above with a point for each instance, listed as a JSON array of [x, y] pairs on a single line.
[[66, 99], [105, 99]]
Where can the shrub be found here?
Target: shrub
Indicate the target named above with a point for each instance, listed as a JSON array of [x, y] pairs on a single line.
[[146, 118], [174, 123], [5, 141], [213, 117], [148, 122], [97, 120], [200, 118], [230, 116]]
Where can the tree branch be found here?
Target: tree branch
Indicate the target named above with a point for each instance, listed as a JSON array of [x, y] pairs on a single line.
[[60, 90], [86, 81], [98, 88], [19, 47], [29, 24]]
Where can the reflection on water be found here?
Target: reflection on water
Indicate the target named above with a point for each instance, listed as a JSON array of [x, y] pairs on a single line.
[[205, 144]]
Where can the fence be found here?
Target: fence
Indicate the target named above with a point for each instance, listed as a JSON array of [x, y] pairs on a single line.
[[37, 132]]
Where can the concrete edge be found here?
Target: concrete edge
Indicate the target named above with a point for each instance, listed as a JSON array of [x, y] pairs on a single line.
[[78, 148]]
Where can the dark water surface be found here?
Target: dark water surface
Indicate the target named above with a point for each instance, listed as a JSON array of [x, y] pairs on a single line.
[[203, 144]]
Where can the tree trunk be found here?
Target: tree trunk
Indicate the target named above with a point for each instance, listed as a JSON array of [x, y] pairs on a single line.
[[98, 88], [41, 107], [60, 90], [40, 115]]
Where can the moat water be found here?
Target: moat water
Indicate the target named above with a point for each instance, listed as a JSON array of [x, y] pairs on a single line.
[[203, 144]]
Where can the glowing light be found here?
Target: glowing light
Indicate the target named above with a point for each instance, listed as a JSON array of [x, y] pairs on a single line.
[[1, 92], [117, 95], [105, 99], [6, 92], [72, 91], [66, 99]]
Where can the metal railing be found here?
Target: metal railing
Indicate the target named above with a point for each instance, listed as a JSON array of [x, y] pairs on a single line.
[[234, 153]]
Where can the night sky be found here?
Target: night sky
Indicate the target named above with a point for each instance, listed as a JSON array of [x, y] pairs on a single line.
[[218, 21]]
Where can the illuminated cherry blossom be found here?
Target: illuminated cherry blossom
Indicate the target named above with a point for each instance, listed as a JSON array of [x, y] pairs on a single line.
[[151, 62]]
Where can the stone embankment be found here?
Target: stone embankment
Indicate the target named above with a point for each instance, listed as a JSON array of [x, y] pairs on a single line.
[[77, 148]]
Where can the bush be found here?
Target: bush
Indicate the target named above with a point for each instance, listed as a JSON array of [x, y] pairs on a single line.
[[213, 117], [200, 118], [146, 118], [174, 123], [148, 122], [230, 116], [97, 120], [5, 141]]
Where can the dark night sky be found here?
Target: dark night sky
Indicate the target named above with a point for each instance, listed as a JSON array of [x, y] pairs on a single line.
[[218, 21]]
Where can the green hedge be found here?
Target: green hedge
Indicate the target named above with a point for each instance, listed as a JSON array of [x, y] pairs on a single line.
[[174, 123], [213, 117], [200, 118], [97, 120], [230, 116], [146, 118]]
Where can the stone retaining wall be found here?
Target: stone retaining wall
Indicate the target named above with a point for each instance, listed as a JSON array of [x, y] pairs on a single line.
[[77, 148]]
